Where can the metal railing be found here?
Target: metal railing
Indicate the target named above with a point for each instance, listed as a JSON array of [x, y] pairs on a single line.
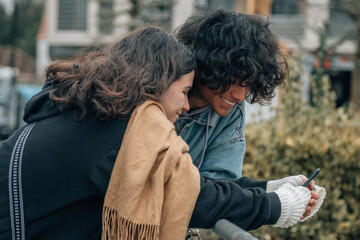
[[229, 231]]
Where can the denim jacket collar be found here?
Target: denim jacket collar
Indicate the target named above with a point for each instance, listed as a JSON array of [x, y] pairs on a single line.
[[201, 116], [222, 139]]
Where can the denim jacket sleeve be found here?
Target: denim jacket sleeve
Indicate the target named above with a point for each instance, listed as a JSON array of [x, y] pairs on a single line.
[[225, 148]]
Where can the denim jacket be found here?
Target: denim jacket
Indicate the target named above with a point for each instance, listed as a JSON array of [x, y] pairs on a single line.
[[224, 138]]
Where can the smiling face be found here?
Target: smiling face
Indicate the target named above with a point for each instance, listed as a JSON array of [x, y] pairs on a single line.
[[175, 99], [222, 103]]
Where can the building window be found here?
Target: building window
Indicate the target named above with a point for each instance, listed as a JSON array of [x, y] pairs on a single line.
[[341, 85], [340, 23], [153, 12], [289, 7], [106, 16], [286, 19], [226, 4], [72, 14]]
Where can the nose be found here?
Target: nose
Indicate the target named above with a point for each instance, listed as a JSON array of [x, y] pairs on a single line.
[[238, 93], [186, 106]]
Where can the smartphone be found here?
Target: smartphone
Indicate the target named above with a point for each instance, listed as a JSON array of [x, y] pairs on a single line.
[[311, 177]]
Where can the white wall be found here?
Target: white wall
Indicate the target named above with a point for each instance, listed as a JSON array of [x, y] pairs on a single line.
[[42, 57], [8, 5], [182, 9]]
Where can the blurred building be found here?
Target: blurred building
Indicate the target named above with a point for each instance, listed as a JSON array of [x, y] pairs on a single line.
[[16, 83], [24, 63], [69, 25], [297, 23], [13, 97]]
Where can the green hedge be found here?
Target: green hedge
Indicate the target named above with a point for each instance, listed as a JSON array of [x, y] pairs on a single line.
[[300, 138]]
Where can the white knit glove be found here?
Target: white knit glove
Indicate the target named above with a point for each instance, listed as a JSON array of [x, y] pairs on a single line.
[[294, 201], [322, 193], [292, 180]]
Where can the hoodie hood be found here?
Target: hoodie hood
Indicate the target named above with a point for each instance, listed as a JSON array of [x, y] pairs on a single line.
[[40, 106]]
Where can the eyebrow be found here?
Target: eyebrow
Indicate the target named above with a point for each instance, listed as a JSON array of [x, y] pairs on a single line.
[[189, 87]]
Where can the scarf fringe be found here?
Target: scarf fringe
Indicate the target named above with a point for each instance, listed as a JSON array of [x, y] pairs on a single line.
[[119, 228]]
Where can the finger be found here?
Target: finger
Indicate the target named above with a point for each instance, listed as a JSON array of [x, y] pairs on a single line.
[[303, 178], [311, 185], [312, 202], [307, 211], [314, 195]]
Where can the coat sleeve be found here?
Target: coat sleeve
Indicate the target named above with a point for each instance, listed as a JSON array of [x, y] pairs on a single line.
[[239, 201]]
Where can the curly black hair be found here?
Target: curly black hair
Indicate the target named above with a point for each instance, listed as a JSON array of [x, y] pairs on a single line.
[[232, 46]]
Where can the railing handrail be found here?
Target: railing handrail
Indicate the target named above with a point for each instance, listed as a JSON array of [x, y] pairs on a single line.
[[230, 231]]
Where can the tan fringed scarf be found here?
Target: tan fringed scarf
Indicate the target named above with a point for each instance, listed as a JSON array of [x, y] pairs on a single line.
[[154, 184]]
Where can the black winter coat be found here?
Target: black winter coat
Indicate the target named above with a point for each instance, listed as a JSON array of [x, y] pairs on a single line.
[[67, 167]]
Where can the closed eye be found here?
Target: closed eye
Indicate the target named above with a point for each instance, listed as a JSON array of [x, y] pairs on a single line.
[[187, 90], [238, 81]]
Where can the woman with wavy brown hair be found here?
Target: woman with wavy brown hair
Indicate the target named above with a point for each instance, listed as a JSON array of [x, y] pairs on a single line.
[[126, 94]]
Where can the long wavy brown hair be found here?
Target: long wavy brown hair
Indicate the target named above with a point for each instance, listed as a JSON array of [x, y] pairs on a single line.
[[110, 82]]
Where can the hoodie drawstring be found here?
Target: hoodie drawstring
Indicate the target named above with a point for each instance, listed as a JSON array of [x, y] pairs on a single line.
[[206, 139]]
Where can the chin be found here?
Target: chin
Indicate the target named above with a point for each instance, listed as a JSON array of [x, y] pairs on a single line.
[[173, 120]]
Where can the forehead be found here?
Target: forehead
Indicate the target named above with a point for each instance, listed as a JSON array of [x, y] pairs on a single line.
[[238, 80], [185, 80]]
